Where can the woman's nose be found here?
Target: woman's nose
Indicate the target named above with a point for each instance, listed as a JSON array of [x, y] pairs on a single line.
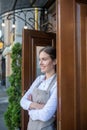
[[40, 62]]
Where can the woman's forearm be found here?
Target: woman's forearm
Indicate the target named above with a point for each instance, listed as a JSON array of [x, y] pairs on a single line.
[[35, 105]]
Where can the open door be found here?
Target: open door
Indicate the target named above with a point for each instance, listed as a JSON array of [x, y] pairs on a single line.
[[32, 42]]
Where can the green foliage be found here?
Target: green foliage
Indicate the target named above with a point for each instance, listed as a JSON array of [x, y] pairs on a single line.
[[13, 114]]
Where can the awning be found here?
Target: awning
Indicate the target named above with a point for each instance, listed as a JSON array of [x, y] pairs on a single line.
[[10, 5]]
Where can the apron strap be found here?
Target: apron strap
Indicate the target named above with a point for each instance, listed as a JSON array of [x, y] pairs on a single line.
[[52, 82]]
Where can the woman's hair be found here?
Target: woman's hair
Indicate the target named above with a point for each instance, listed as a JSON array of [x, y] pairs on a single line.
[[51, 51]]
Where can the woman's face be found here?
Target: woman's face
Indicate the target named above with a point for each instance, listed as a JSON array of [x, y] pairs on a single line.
[[47, 65]]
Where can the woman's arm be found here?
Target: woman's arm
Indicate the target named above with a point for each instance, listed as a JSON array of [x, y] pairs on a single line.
[[25, 102], [48, 110], [34, 105]]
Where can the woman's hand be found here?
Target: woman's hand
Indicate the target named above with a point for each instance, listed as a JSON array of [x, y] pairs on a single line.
[[30, 97], [34, 105]]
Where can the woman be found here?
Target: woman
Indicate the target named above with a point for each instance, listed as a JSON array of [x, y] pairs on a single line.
[[41, 99]]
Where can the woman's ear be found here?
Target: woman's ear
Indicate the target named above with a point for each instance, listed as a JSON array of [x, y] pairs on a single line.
[[55, 62]]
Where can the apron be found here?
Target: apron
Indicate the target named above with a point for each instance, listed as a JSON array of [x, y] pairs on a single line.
[[42, 96]]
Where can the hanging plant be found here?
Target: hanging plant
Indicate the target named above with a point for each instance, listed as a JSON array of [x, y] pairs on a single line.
[[13, 114]]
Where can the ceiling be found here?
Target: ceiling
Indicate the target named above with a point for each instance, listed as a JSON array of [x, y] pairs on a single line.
[[10, 5]]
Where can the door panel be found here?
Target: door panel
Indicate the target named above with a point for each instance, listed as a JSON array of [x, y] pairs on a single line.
[[66, 64], [32, 40], [81, 68], [72, 65]]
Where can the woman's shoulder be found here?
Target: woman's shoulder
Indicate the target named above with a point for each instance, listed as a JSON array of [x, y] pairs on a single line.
[[40, 77], [38, 80]]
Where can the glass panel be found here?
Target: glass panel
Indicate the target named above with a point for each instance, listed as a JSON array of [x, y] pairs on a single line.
[[38, 72]]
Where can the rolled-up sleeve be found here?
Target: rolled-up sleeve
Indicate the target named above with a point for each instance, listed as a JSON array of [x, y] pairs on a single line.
[[24, 102]]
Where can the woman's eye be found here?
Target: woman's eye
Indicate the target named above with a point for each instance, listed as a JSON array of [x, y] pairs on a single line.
[[42, 59]]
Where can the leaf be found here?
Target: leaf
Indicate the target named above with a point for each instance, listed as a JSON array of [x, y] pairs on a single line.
[[13, 114]]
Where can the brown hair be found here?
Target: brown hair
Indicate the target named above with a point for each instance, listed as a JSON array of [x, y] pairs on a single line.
[[51, 51]]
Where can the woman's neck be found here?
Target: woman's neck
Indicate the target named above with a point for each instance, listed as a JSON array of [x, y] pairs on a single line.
[[48, 75]]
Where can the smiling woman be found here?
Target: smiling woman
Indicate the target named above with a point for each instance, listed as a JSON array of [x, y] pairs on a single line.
[[41, 98], [47, 60]]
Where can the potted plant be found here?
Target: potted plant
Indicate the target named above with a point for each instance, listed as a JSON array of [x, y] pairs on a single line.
[[13, 114]]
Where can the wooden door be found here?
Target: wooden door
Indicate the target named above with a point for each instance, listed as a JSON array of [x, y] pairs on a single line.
[[81, 66], [66, 64], [32, 40], [72, 64]]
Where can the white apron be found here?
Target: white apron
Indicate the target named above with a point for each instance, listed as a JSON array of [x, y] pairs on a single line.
[[42, 96]]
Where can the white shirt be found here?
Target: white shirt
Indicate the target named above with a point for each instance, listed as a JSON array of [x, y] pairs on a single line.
[[50, 107]]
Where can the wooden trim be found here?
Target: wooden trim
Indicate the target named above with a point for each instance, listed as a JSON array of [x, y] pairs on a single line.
[[66, 64]]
